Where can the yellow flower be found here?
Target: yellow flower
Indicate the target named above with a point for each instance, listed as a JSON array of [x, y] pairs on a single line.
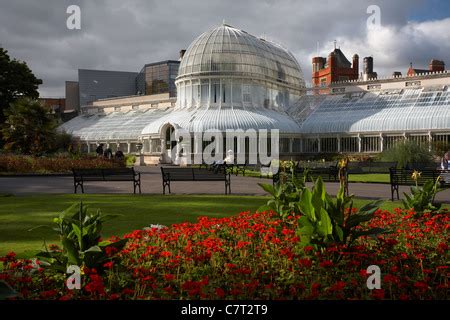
[[342, 163], [416, 175]]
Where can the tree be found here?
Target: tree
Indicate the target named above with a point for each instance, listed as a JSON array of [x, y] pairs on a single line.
[[29, 128], [16, 80]]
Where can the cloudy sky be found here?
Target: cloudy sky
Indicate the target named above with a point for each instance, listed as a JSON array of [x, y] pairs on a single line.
[[126, 34]]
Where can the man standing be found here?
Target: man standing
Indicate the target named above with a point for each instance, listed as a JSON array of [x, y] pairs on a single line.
[[99, 150]]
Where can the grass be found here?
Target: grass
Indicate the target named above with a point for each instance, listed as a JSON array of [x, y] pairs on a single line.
[[370, 178], [20, 213]]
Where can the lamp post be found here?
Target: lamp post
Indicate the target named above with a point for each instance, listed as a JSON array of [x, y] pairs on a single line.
[[140, 154]]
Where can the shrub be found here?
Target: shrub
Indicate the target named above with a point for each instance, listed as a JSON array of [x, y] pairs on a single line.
[[130, 160], [408, 152], [80, 234], [323, 220], [422, 198], [56, 164], [29, 128]]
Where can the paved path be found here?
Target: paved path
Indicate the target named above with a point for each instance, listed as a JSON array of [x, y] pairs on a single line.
[[152, 184]]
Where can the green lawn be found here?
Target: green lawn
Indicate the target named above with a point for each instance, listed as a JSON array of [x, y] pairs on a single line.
[[371, 178], [19, 214]]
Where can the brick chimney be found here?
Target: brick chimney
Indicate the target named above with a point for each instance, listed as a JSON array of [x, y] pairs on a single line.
[[436, 65]]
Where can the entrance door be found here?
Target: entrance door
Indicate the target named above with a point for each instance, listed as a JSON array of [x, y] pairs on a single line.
[[170, 145]]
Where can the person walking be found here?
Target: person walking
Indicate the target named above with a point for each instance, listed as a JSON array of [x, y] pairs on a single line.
[[445, 161], [99, 150]]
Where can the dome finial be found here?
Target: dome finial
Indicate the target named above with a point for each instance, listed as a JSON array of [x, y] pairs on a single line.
[[223, 22]]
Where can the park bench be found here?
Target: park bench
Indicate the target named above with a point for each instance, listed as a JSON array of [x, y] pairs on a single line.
[[329, 171], [368, 167], [422, 166], [246, 166], [403, 177], [170, 174], [80, 176]]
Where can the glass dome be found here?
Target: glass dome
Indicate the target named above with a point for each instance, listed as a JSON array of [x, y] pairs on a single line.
[[229, 51]]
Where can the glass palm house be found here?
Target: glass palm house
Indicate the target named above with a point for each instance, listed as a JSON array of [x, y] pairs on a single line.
[[229, 79]]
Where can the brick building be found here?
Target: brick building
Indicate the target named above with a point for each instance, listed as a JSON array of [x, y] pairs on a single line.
[[334, 68], [56, 105], [433, 66]]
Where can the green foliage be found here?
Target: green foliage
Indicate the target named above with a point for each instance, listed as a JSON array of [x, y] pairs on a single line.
[[315, 226], [285, 194], [62, 141], [405, 152], [29, 128], [328, 220], [323, 219], [80, 235], [422, 198], [440, 148], [130, 159], [16, 80]]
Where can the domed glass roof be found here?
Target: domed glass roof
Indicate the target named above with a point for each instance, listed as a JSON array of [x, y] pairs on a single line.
[[227, 50]]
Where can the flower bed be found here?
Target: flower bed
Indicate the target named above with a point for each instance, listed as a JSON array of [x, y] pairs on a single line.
[[59, 164], [257, 256]]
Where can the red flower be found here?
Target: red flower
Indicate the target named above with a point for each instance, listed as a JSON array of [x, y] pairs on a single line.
[[305, 262], [48, 294], [378, 294], [326, 264], [110, 251], [169, 277], [220, 293], [308, 249], [165, 254]]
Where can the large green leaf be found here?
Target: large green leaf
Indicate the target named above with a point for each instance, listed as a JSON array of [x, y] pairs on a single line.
[[268, 188], [356, 219], [93, 249], [264, 208], [371, 206], [77, 232], [339, 232], [324, 226], [306, 206], [318, 197], [72, 252]]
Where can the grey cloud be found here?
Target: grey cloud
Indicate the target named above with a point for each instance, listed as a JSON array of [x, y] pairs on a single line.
[[124, 35]]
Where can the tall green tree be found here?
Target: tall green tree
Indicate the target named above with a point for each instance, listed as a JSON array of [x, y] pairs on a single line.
[[16, 80], [29, 128]]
